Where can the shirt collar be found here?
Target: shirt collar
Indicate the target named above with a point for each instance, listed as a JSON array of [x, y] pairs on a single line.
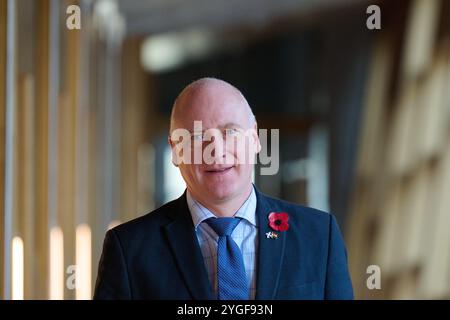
[[199, 213]]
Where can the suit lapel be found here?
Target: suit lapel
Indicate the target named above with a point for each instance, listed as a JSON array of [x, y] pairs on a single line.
[[183, 241], [184, 244], [271, 252]]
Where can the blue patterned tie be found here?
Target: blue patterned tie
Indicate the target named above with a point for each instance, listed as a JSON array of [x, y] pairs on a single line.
[[231, 279]]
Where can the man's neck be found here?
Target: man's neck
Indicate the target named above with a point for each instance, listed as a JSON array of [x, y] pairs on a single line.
[[225, 208]]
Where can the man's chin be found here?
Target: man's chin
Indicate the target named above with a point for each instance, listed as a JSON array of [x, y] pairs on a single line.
[[221, 192], [220, 195]]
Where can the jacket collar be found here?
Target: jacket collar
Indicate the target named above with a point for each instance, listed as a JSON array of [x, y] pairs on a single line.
[[271, 251], [184, 244]]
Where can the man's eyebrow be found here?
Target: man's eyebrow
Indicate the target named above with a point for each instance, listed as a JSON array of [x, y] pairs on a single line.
[[231, 124], [227, 125]]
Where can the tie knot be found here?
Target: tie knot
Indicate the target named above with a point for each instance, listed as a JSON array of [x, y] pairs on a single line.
[[223, 226]]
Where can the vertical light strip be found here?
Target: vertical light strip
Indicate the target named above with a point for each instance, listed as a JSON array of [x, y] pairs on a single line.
[[83, 243], [82, 120], [83, 261], [174, 184], [55, 255], [9, 143], [53, 112], [112, 126], [56, 264], [111, 27], [317, 187], [17, 269]]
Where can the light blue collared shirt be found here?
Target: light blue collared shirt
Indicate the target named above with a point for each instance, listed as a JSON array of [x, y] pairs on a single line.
[[245, 236]]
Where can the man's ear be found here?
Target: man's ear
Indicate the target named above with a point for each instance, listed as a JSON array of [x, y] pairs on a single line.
[[256, 137], [175, 159]]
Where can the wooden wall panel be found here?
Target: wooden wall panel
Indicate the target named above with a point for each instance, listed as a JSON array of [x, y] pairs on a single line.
[[42, 103], [436, 269], [416, 213], [26, 161], [421, 36], [409, 180], [68, 145], [402, 132], [432, 116], [2, 129], [366, 205]]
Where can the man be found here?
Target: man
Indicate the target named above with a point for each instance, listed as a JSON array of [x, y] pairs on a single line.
[[222, 239]]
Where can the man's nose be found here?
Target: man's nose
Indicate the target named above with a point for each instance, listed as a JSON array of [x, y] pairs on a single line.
[[219, 150]]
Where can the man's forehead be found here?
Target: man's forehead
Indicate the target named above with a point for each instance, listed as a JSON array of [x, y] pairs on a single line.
[[216, 104], [206, 99], [217, 113]]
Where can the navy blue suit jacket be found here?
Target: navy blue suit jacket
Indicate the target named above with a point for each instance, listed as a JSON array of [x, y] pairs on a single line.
[[157, 256]]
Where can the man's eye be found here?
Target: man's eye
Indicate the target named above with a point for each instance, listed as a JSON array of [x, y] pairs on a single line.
[[232, 131]]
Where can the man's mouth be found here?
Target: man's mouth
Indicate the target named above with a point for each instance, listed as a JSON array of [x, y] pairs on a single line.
[[219, 170]]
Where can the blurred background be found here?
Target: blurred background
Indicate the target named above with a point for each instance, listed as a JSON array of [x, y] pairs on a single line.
[[364, 119]]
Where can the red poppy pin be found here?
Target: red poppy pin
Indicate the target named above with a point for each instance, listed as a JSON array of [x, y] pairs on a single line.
[[278, 221]]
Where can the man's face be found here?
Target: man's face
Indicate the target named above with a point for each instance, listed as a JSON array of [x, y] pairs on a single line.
[[228, 171]]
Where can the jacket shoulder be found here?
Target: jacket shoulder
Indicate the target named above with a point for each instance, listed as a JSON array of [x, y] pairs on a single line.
[[149, 223], [312, 222], [298, 210]]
